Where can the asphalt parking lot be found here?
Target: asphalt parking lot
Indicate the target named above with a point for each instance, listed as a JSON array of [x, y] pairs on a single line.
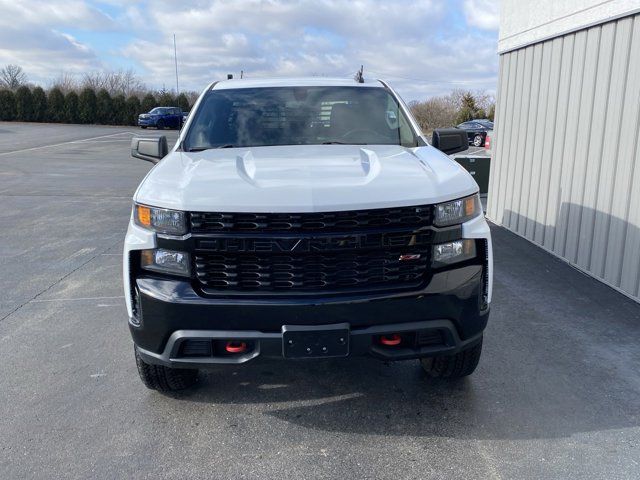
[[556, 394]]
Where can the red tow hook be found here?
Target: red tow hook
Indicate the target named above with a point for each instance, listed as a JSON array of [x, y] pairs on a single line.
[[236, 347], [390, 340]]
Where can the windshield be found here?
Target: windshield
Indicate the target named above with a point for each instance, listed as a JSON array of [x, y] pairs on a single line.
[[158, 111], [251, 117]]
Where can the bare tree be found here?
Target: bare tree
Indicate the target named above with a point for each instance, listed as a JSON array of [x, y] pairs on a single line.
[[93, 80], [484, 100], [123, 82], [437, 112], [12, 77], [66, 82], [448, 110]]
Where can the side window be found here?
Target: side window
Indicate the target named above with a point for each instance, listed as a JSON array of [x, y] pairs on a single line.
[[407, 139], [397, 121]]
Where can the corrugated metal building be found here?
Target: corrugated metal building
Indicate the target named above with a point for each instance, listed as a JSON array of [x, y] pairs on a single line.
[[566, 167]]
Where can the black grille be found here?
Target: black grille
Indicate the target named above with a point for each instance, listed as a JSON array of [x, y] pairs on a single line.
[[429, 337], [311, 272], [350, 221], [196, 348]]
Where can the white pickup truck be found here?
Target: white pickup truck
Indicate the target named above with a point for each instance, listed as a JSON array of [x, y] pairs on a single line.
[[304, 218]]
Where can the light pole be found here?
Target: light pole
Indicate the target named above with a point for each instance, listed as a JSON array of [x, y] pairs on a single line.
[[175, 58]]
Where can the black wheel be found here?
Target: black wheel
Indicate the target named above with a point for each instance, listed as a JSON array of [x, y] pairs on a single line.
[[143, 126], [165, 379], [478, 141], [160, 125], [453, 366]]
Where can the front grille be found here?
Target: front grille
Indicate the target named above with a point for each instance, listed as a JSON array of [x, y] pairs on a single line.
[[311, 253], [410, 218], [311, 272]]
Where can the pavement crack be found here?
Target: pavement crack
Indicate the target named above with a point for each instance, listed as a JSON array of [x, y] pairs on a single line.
[[67, 275]]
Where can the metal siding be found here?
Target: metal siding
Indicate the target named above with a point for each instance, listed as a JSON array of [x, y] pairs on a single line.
[[566, 167], [556, 122], [538, 157], [527, 112], [515, 130], [542, 229], [557, 155], [570, 141], [595, 144], [625, 236], [496, 167]]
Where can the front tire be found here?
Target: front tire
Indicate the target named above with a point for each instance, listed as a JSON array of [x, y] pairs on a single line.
[[459, 365], [165, 379], [477, 141], [143, 126]]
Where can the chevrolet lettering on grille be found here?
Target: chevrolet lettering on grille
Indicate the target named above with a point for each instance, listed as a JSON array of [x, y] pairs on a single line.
[[313, 244]]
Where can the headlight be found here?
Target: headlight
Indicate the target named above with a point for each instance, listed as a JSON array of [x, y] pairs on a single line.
[[166, 261], [457, 211], [453, 252], [161, 220]]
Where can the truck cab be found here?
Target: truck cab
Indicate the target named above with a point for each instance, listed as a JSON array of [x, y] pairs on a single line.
[[304, 218]]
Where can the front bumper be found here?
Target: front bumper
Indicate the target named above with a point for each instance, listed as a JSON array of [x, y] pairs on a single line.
[[441, 339], [147, 122], [170, 312]]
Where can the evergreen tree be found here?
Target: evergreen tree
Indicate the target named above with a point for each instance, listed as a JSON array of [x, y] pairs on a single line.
[[166, 99], [119, 106], [24, 104], [183, 102], [87, 106], [104, 108], [39, 105], [7, 105], [55, 106], [71, 105], [468, 109], [134, 108], [148, 103], [492, 112]]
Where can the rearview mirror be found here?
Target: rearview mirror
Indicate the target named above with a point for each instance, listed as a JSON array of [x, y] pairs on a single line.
[[450, 140], [151, 149]]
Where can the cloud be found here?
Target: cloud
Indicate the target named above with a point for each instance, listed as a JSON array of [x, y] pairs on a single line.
[[416, 45], [423, 47], [483, 14], [32, 36]]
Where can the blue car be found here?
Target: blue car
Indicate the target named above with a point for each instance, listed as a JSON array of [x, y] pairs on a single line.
[[161, 117]]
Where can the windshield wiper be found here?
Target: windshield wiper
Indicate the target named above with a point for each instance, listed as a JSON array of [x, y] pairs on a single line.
[[201, 149], [335, 142]]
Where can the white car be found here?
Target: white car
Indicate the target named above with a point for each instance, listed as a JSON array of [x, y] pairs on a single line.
[[304, 218]]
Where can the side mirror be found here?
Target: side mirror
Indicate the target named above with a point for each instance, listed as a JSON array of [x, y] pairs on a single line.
[[450, 140], [151, 149]]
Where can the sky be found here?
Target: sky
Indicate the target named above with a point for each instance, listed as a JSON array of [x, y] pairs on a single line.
[[422, 47]]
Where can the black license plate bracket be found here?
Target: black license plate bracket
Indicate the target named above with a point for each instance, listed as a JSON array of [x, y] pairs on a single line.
[[315, 341]]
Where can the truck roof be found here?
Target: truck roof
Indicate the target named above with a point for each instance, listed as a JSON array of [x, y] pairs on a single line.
[[293, 82]]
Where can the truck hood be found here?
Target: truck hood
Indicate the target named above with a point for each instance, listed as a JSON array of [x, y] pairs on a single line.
[[311, 178]]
